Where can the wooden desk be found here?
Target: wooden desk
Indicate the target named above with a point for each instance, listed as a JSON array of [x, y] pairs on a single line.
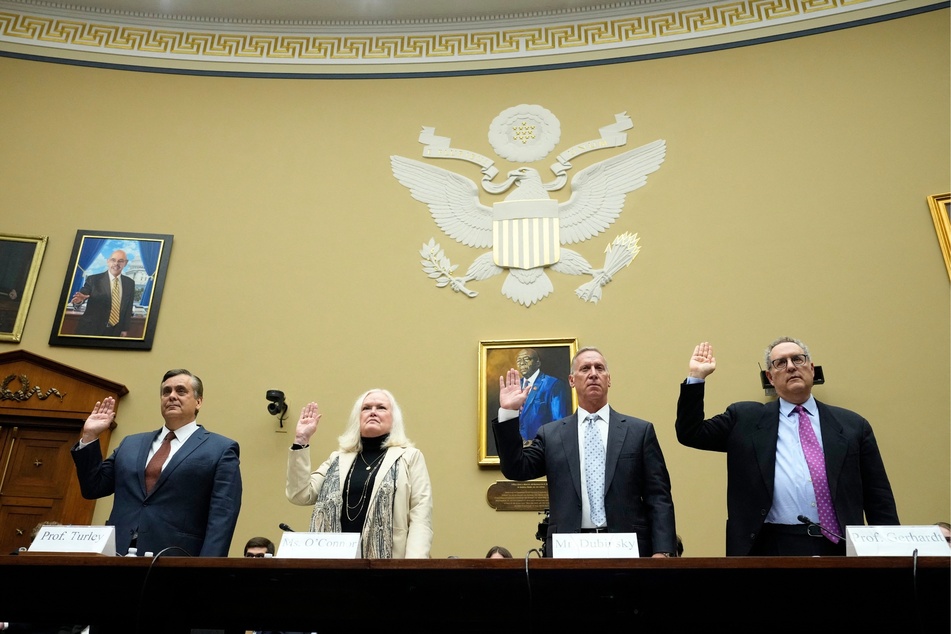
[[697, 595]]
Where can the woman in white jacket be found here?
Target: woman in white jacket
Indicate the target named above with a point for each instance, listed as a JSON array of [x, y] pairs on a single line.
[[375, 483]]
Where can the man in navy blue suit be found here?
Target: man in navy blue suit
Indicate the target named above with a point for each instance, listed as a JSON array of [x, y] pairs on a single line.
[[548, 398], [187, 499]]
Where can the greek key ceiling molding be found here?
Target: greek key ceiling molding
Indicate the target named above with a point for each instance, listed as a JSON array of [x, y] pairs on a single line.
[[49, 30]]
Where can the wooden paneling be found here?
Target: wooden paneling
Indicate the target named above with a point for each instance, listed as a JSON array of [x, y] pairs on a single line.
[[43, 405]]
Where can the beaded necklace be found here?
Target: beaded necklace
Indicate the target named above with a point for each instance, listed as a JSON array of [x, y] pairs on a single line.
[[372, 467]]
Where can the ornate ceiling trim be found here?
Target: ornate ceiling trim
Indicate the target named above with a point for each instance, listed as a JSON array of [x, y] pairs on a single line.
[[159, 42]]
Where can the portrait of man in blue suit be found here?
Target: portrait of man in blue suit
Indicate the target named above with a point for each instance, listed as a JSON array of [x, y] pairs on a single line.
[[548, 397]]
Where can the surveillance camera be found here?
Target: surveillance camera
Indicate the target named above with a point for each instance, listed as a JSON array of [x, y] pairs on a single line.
[[277, 406]]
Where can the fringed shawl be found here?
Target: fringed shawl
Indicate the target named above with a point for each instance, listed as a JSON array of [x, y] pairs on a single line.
[[377, 535]]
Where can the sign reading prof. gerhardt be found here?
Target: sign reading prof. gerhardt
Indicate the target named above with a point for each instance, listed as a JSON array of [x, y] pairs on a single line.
[[895, 541]]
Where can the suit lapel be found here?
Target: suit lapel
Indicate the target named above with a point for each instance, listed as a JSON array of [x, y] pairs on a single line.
[[392, 455], [834, 445], [198, 437], [533, 391], [765, 437], [568, 429], [143, 457], [616, 433]]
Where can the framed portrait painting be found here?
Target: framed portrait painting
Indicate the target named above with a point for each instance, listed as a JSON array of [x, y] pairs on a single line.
[[940, 205], [544, 366], [113, 290], [20, 259]]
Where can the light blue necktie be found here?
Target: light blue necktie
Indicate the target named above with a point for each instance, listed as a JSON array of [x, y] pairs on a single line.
[[594, 469]]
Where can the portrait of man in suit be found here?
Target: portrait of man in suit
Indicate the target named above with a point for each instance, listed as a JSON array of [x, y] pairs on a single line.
[[548, 397], [176, 488], [109, 297], [112, 291]]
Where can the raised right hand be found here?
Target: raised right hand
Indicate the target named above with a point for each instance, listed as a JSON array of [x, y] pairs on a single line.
[[702, 363], [511, 394], [100, 419], [307, 425]]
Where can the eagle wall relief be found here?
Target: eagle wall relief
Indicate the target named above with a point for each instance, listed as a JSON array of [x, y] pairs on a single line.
[[527, 230]]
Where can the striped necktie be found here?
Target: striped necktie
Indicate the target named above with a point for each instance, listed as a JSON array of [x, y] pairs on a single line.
[[116, 299]]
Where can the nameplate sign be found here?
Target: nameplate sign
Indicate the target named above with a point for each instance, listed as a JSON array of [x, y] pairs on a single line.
[[594, 545], [895, 541], [99, 540], [319, 546]]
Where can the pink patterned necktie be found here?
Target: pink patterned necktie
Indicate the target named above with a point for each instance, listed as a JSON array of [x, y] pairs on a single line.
[[817, 471]]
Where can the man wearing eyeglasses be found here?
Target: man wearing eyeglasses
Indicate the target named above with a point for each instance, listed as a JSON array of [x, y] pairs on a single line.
[[109, 296], [798, 471]]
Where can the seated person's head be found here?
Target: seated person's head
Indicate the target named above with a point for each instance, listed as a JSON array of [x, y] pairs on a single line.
[[945, 530], [258, 547], [498, 552]]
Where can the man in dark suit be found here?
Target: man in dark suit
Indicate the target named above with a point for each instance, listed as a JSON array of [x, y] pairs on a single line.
[[187, 498], [548, 397], [630, 495], [101, 292], [771, 482]]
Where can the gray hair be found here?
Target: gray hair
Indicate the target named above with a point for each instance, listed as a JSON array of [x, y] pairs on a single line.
[[197, 386], [582, 351], [350, 441], [769, 348]]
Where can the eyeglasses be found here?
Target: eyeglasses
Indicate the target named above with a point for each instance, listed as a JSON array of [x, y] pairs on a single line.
[[798, 360], [255, 555]]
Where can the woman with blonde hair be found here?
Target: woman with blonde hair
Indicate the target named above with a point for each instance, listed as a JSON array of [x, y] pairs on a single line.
[[375, 483]]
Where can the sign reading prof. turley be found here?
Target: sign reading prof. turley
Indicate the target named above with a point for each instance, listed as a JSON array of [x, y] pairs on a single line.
[[528, 229]]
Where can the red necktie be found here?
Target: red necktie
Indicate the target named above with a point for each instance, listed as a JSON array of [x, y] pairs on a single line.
[[154, 469], [817, 471]]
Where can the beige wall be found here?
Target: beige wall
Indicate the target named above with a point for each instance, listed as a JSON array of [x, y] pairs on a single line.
[[792, 201]]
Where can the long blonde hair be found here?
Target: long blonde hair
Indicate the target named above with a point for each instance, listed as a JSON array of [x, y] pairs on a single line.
[[350, 441]]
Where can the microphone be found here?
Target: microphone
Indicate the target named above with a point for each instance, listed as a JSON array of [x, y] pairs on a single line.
[[808, 522], [284, 527]]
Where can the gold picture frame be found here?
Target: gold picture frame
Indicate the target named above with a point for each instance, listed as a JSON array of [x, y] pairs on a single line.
[[554, 365], [20, 260], [941, 215]]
